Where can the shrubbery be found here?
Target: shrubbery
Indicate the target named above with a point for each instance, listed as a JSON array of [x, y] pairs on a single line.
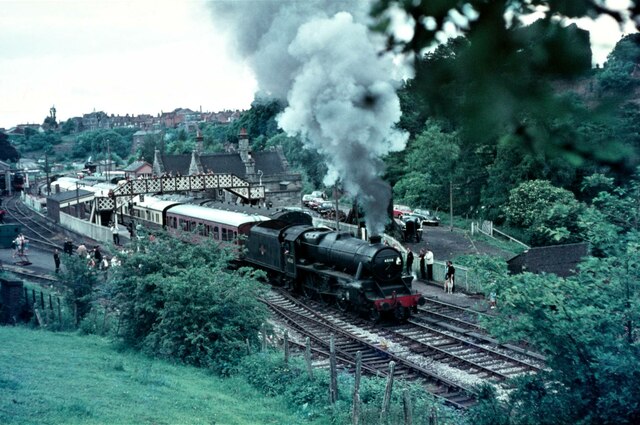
[[180, 301]]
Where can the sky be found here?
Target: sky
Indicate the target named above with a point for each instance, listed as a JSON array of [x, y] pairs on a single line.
[[131, 57], [114, 56]]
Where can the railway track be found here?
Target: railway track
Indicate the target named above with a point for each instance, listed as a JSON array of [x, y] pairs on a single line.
[[309, 322], [472, 352], [462, 355], [36, 228], [40, 230]]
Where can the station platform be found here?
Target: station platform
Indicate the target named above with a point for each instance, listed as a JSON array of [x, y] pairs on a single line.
[[435, 290]]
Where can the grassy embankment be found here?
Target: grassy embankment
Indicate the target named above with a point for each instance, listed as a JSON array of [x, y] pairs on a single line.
[[64, 378]]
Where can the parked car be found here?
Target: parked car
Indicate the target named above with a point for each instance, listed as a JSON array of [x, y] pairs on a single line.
[[399, 210], [429, 218], [315, 203], [318, 194], [326, 207], [307, 198]]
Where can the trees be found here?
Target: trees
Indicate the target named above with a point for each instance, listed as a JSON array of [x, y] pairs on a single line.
[[430, 165], [181, 301], [7, 151], [549, 213], [498, 80], [586, 325]]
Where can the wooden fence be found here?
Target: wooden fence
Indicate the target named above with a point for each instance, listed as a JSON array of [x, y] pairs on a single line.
[[333, 389]]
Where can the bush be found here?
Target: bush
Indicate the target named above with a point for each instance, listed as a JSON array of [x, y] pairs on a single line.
[[179, 301]]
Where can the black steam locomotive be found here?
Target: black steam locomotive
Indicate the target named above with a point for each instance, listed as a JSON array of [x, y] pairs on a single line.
[[361, 276]]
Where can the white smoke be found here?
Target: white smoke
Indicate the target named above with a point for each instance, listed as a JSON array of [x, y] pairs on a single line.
[[321, 58]]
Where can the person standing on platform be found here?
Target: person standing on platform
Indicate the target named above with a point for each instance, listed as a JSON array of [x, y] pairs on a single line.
[[68, 246], [450, 278], [115, 230], [409, 261], [423, 273], [56, 260], [428, 257]]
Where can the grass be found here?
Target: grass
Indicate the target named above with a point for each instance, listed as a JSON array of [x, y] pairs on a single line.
[[64, 378]]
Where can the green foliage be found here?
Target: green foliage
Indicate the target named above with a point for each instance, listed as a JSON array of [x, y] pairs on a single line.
[[179, 301], [97, 143], [430, 159], [7, 151], [79, 282], [215, 135], [616, 74], [309, 398], [586, 325], [260, 120], [550, 213]]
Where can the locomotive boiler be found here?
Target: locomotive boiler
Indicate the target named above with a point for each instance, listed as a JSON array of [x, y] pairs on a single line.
[[360, 276]]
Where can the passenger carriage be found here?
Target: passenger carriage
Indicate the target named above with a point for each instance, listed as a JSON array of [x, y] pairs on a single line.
[[219, 225]]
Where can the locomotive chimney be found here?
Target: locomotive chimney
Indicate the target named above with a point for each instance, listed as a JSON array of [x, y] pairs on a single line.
[[375, 239]]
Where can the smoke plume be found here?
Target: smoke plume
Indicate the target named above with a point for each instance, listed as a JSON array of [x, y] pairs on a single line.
[[321, 58]]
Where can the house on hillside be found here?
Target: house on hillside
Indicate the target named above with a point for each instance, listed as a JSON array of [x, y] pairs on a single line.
[[138, 169], [561, 260], [268, 168]]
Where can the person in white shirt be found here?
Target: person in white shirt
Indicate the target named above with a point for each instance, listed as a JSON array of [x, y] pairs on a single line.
[[428, 257], [115, 230]]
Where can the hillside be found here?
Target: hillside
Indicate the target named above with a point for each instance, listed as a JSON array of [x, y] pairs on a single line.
[[56, 378]]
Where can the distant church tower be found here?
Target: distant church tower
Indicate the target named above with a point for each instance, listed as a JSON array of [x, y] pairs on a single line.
[[52, 113]]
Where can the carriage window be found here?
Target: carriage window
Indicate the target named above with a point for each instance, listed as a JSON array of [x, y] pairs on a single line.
[[216, 236], [224, 234], [147, 213], [192, 226], [207, 229], [184, 225], [235, 235]]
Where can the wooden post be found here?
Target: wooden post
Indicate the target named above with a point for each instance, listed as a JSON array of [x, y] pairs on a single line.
[[59, 311], [41, 300], [387, 393], [408, 413], [39, 318], [104, 321], [333, 382], [286, 346], [248, 346], [355, 415], [307, 357], [433, 417], [50, 303], [263, 331]]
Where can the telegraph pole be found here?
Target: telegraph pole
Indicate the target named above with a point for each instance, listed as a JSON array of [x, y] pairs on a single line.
[[451, 202], [46, 170]]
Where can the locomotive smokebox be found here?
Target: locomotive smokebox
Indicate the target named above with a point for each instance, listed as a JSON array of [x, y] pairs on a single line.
[[375, 239]]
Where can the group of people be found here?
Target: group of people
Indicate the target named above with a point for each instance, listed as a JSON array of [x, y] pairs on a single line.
[[20, 246], [95, 258], [426, 263], [426, 268]]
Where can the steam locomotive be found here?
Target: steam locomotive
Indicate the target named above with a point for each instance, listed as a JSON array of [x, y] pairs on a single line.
[[360, 276]]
